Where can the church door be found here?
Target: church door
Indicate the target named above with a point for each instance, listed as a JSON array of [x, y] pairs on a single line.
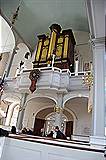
[[39, 124], [69, 128]]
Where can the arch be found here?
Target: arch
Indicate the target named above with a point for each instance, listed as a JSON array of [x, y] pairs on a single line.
[[51, 110], [54, 112], [10, 97], [43, 114], [74, 104], [30, 107], [74, 117], [51, 98], [42, 109], [74, 96], [10, 112], [72, 113], [7, 43]]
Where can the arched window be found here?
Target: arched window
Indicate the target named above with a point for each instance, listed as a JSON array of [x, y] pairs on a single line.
[[50, 122]]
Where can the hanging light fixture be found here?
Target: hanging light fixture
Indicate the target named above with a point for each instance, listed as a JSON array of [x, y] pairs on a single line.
[[58, 109], [88, 79]]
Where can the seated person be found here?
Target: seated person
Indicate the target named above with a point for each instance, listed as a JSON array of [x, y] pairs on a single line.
[[3, 133], [42, 132], [50, 134], [29, 132], [13, 130], [59, 134], [24, 131]]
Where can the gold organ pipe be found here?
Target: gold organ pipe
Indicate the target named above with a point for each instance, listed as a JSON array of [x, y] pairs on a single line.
[[55, 29], [39, 49], [52, 43], [65, 51]]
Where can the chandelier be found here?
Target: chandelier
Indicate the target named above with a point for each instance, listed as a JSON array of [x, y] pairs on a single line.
[[58, 109], [88, 79]]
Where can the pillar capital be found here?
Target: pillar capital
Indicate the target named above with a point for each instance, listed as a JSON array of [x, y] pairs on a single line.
[[98, 42]]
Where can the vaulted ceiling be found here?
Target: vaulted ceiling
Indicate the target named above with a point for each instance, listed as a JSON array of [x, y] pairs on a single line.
[[35, 16]]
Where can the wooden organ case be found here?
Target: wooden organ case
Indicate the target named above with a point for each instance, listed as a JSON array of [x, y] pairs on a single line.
[[61, 44]]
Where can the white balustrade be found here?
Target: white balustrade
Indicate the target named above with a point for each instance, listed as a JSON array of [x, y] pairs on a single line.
[[51, 78], [45, 149]]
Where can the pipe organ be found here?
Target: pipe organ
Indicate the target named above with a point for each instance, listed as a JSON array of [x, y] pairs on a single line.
[[58, 43]]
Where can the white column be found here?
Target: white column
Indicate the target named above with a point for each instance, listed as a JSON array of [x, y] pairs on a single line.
[[96, 19], [76, 67], [21, 111], [53, 58], [58, 115], [98, 132]]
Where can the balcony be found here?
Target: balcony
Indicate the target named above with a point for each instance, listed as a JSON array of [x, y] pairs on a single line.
[[50, 78]]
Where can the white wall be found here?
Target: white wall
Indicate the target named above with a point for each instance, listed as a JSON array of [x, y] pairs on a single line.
[[7, 39], [83, 123], [83, 47], [22, 50], [15, 149]]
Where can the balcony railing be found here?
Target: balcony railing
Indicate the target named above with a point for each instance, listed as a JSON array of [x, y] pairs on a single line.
[[51, 78]]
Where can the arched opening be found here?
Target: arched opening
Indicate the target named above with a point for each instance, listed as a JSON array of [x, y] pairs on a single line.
[[12, 114], [11, 109], [78, 105], [33, 106], [50, 122], [39, 113], [46, 119]]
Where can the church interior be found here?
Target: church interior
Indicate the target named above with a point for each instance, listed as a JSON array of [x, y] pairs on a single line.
[[52, 76]]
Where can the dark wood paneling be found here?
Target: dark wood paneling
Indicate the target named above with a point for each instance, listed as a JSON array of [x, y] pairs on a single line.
[[69, 128], [39, 124]]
